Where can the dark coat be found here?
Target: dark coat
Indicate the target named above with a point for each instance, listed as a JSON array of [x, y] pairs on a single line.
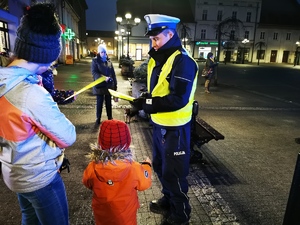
[[210, 65], [101, 68]]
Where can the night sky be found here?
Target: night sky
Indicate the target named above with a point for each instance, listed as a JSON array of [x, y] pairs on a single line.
[[101, 15]]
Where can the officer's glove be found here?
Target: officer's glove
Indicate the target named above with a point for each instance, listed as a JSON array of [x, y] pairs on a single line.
[[145, 95], [147, 105], [138, 103]]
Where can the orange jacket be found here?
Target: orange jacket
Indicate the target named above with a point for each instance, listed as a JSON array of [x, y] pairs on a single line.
[[115, 199]]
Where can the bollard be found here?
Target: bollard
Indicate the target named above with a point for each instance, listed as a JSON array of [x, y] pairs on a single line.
[[292, 215]]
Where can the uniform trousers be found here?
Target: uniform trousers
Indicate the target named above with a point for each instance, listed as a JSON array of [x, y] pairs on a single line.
[[171, 157]]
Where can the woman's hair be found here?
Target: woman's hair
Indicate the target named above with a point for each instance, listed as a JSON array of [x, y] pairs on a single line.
[[209, 55]]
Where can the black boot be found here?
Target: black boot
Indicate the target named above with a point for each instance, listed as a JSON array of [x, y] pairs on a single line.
[[160, 206]]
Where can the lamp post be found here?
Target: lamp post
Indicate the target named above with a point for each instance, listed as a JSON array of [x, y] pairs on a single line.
[[245, 41], [128, 23], [296, 60], [120, 38], [184, 40]]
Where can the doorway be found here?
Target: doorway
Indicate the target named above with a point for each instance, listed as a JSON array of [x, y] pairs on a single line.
[[285, 56], [138, 54], [273, 56]]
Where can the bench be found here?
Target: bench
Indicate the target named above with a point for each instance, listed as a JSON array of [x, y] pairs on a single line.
[[201, 133]]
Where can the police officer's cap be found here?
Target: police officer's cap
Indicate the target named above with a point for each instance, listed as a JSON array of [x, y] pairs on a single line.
[[157, 23]]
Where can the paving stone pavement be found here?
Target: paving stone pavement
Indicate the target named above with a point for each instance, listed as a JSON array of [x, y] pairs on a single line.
[[208, 206]]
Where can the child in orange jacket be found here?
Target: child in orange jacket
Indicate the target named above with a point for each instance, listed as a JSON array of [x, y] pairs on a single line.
[[114, 177]]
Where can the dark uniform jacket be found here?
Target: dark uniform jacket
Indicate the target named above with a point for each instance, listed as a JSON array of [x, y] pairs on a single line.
[[184, 69]]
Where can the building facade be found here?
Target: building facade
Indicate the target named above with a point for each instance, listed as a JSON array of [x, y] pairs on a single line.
[[234, 30], [226, 26], [71, 14]]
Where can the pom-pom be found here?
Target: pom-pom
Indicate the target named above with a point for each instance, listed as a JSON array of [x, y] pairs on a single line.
[[42, 19]]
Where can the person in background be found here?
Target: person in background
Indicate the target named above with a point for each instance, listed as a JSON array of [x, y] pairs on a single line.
[[172, 81], [114, 177], [101, 66], [210, 65], [58, 96], [33, 131]]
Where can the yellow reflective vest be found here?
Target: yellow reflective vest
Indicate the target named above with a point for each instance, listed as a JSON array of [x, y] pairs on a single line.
[[180, 116]]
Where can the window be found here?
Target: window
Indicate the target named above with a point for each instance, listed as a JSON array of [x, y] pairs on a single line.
[[260, 54], [4, 36], [246, 34], [232, 34], [203, 34], [219, 17], [248, 18], [275, 36], [234, 14], [204, 15], [288, 36], [262, 35]]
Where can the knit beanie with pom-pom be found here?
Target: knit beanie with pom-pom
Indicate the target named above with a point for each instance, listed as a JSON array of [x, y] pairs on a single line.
[[39, 35]]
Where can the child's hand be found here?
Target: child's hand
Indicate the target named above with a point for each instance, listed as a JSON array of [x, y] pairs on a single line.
[[75, 95], [147, 160]]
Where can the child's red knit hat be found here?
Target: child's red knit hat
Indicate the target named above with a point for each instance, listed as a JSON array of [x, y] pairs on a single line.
[[114, 135]]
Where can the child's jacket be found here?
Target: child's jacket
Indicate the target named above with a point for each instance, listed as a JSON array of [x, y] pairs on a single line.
[[115, 199]]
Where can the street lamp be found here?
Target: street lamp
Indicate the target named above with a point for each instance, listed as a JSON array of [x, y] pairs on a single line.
[[128, 23], [245, 41], [120, 38], [296, 60], [99, 41], [184, 40]]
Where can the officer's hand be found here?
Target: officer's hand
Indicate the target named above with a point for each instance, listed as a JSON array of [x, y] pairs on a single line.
[[145, 95], [138, 103]]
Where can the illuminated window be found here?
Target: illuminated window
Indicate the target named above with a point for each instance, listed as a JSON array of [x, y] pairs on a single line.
[[4, 36], [260, 54]]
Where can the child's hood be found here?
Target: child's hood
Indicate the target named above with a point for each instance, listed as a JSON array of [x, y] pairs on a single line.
[[12, 76], [112, 172]]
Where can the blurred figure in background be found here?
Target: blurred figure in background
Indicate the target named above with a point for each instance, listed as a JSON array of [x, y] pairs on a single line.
[[102, 66], [210, 65]]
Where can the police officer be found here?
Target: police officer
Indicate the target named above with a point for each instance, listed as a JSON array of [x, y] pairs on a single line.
[[172, 77]]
